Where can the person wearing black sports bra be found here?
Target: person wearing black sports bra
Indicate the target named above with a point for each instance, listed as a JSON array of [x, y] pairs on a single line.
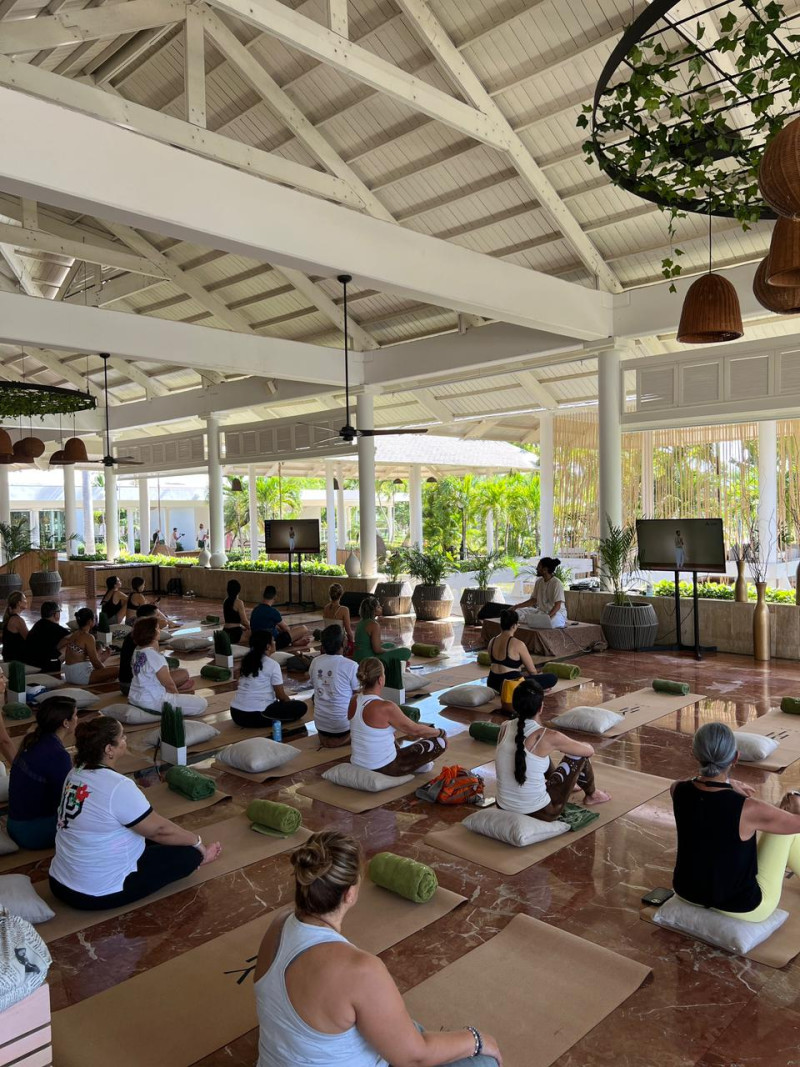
[[510, 657], [114, 600]]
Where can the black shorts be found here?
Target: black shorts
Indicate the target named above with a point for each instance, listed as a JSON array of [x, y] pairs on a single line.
[[282, 639]]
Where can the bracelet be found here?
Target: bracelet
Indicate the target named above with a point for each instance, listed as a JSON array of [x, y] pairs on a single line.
[[478, 1041], [199, 843]]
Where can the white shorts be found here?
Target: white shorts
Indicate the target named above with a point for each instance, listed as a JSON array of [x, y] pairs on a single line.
[[78, 673]]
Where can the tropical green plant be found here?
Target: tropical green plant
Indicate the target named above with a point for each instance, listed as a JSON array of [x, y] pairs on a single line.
[[274, 566], [564, 574], [484, 564], [430, 567], [15, 537], [617, 558], [718, 591], [396, 563]]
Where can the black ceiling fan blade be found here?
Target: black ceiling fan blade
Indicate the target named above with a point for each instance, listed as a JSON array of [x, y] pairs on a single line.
[[129, 461], [387, 433]]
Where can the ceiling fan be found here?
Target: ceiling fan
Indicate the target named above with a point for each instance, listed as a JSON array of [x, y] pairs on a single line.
[[348, 432], [108, 460]]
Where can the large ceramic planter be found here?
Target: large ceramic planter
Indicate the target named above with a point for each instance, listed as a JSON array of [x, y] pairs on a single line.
[[629, 627], [740, 592], [432, 602], [394, 597], [472, 600], [45, 583], [9, 583]]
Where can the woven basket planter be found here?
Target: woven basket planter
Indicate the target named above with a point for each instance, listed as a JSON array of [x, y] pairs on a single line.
[[394, 597], [784, 254], [432, 602], [472, 600], [710, 313], [779, 175], [629, 627], [45, 583], [782, 299]]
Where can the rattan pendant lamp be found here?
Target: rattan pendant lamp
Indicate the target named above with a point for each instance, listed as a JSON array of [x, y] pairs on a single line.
[[6, 448], [711, 312], [780, 170], [782, 299], [784, 254]]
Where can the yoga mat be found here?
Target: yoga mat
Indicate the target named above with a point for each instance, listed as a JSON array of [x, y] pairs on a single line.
[[556, 988], [493, 707], [628, 790], [309, 755], [25, 855], [783, 728], [777, 950], [640, 708], [241, 846], [185, 1009], [172, 805]]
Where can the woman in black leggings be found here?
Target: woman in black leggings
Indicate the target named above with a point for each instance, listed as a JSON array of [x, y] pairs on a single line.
[[510, 657], [260, 696]]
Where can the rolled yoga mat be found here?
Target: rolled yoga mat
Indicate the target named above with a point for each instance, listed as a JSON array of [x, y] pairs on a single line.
[[487, 732], [269, 817], [410, 712], [663, 685], [789, 705], [563, 670], [427, 651], [484, 659], [211, 618], [16, 711], [190, 783], [406, 877], [216, 674]]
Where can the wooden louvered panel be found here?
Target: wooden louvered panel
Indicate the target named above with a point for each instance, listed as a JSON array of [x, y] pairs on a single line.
[[748, 377], [701, 383]]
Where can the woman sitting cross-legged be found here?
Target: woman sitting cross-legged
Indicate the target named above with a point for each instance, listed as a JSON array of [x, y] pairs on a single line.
[[373, 722], [114, 602], [234, 617], [336, 614], [15, 629], [111, 847], [152, 684], [260, 696], [335, 679], [720, 863], [83, 664], [510, 656], [180, 676], [322, 1001], [38, 773], [527, 783], [137, 599], [368, 636]]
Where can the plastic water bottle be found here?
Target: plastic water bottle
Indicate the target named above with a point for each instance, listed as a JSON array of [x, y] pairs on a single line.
[[277, 730]]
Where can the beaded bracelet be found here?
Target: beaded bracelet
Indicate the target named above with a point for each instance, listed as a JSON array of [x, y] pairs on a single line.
[[478, 1041]]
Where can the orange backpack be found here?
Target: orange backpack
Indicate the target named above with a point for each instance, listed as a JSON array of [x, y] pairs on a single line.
[[455, 785]]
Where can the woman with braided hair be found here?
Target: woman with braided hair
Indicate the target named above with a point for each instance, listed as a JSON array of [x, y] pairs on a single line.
[[527, 783]]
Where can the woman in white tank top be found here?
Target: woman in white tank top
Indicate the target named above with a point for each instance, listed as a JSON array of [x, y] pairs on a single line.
[[527, 784], [323, 1002]]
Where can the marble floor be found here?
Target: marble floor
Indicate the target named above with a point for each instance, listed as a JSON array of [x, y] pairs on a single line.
[[700, 1006]]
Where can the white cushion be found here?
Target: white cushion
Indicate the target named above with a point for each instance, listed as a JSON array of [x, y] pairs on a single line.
[[28, 670], [257, 754], [753, 747], [734, 935], [237, 651], [193, 643], [468, 696], [47, 680], [413, 683], [82, 697], [196, 734], [7, 846], [353, 777], [513, 829], [590, 720], [129, 714], [18, 896], [281, 657]]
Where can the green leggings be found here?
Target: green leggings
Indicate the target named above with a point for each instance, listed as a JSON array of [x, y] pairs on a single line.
[[776, 852]]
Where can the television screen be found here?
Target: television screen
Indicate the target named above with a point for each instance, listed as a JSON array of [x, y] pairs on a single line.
[[292, 535], [681, 545]]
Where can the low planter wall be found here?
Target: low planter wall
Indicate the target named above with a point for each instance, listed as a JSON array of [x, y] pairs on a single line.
[[723, 623]]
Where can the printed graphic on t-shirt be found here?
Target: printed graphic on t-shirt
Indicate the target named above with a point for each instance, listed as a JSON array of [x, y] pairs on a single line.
[[72, 800], [139, 660]]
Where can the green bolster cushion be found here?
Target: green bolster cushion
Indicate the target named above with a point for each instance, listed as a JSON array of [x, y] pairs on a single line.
[[487, 732], [576, 816], [267, 816], [173, 662], [663, 685], [16, 711], [791, 705], [562, 670], [190, 783], [222, 643], [212, 618], [16, 677], [410, 712], [406, 877], [216, 674], [428, 651], [393, 672], [484, 659]]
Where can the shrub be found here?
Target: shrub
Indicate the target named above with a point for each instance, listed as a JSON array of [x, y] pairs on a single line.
[[717, 591], [277, 566]]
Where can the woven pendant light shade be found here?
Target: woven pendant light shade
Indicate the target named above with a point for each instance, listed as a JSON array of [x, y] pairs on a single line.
[[782, 299], [21, 453], [236, 485], [784, 254], [31, 446], [60, 459], [6, 448], [75, 450], [779, 175], [710, 312]]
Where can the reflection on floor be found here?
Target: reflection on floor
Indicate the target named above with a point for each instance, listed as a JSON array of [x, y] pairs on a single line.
[[700, 1006]]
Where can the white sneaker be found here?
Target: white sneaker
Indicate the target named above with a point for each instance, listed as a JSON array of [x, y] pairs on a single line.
[[426, 768]]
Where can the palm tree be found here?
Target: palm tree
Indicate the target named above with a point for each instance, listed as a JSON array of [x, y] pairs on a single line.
[[493, 500], [467, 496]]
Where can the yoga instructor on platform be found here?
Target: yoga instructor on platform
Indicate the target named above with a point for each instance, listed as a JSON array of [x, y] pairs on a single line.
[[321, 1001]]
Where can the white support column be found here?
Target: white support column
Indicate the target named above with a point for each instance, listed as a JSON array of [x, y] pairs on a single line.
[[489, 531], [415, 506], [216, 508], [648, 477], [88, 513], [768, 492], [129, 513], [366, 487], [5, 498], [112, 512], [330, 511], [70, 509], [144, 514], [546, 484], [609, 395], [341, 513], [252, 497]]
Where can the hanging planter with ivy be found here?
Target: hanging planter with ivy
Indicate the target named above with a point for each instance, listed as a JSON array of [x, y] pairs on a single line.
[[36, 401]]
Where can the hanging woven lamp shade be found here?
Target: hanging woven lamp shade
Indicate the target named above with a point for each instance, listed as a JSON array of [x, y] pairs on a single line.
[[21, 453], [779, 174], [710, 312], [60, 459], [31, 446], [782, 299], [75, 450], [6, 448], [236, 485], [784, 254]]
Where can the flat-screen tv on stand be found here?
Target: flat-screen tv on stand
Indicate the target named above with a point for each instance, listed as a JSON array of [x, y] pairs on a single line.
[[297, 538]]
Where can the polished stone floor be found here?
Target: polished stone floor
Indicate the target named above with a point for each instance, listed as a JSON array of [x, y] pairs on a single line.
[[700, 1006]]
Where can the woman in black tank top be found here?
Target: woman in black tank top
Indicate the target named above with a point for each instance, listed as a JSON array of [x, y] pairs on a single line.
[[720, 862], [516, 661]]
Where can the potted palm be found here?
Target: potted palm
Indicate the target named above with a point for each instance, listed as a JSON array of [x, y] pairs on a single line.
[[16, 541], [626, 626], [432, 597], [473, 598], [395, 595], [47, 581]]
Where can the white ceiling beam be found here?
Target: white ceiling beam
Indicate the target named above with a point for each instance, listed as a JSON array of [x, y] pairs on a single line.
[[146, 339], [119, 289], [73, 27], [123, 113], [151, 385], [69, 278], [432, 33], [7, 285], [19, 237], [533, 388], [362, 340], [194, 69], [298, 31], [433, 406], [117, 60], [337, 17]]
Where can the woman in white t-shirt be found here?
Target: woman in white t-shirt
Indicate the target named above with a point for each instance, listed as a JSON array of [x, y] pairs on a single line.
[[152, 684], [260, 696], [547, 608], [335, 680], [111, 847]]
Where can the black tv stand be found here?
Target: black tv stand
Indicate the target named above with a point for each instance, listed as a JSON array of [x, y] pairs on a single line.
[[679, 646], [299, 604]]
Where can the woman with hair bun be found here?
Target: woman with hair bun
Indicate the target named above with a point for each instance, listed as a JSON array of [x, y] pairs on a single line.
[[527, 783], [373, 722], [720, 863], [336, 614], [321, 1001]]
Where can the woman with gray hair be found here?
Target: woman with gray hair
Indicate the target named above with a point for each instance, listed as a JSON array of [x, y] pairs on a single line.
[[719, 864]]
